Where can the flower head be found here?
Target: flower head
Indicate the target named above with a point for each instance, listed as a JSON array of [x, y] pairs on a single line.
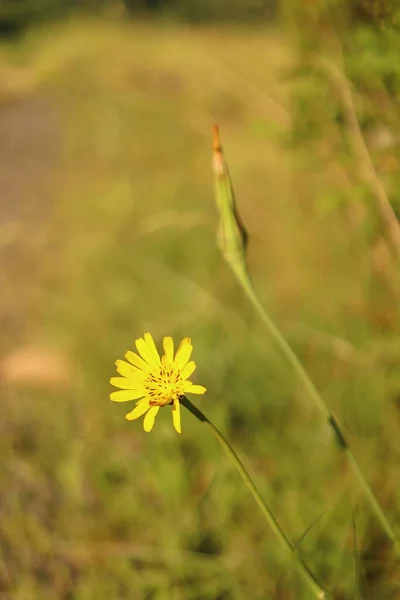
[[155, 381]]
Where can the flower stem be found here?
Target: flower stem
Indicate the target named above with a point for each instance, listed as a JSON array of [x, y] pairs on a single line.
[[309, 578], [245, 282]]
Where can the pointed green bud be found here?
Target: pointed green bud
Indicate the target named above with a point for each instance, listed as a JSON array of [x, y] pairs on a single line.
[[232, 236]]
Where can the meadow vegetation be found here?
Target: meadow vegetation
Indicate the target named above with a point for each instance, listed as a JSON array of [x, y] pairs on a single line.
[[108, 231]]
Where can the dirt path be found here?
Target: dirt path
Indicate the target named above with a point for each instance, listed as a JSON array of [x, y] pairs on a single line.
[[29, 154]]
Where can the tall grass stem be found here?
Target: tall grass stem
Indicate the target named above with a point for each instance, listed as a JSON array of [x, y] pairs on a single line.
[[245, 282], [232, 240]]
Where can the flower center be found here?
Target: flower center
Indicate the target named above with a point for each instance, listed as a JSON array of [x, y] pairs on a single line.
[[164, 385]]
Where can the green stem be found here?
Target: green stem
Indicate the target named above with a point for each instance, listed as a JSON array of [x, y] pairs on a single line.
[[244, 279], [308, 576]]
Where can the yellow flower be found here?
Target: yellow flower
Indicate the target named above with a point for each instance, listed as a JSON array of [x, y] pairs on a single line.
[[155, 381]]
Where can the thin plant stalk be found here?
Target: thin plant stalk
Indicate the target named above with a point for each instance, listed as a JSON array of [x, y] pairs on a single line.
[[232, 238], [308, 576], [290, 355]]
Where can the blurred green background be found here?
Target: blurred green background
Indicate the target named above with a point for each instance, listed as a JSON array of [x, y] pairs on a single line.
[[108, 230]]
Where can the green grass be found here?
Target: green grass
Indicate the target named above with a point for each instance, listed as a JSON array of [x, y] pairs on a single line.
[[92, 507]]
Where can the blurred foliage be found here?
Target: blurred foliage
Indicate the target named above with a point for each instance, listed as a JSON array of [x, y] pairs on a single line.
[[18, 14], [316, 13], [383, 12], [363, 39], [15, 14], [220, 10]]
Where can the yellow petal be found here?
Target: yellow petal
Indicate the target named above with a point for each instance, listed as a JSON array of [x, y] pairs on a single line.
[[125, 395], [150, 418], [139, 410], [125, 383], [127, 370], [168, 345], [148, 338], [184, 351], [195, 389], [176, 415], [138, 362], [188, 369], [145, 352]]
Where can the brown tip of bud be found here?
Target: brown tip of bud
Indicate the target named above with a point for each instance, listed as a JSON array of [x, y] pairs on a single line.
[[216, 140], [219, 168]]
